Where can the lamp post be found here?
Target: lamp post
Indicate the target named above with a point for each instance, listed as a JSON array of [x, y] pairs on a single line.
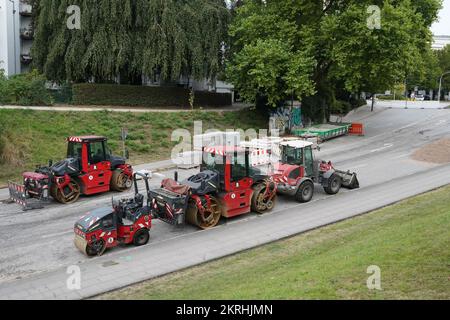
[[440, 85]]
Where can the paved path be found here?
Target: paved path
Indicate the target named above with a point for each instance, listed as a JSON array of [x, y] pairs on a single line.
[[37, 245], [235, 107]]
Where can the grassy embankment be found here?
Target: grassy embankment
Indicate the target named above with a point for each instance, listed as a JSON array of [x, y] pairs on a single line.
[[29, 138], [409, 241]]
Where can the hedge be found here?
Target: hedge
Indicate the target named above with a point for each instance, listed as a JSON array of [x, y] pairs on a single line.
[[144, 96]]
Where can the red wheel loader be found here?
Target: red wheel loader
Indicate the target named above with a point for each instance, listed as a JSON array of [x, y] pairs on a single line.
[[298, 171], [129, 221], [89, 169]]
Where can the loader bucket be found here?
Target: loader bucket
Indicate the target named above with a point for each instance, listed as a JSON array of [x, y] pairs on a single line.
[[349, 179], [18, 194]]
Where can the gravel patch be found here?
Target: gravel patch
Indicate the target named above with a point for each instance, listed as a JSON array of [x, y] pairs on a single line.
[[436, 152]]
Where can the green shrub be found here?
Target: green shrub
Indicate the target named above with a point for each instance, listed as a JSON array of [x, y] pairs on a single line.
[[391, 97], [24, 89], [341, 107], [356, 103], [211, 99], [144, 96], [63, 94]]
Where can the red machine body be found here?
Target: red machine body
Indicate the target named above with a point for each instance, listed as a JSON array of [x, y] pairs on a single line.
[[89, 169], [226, 186], [298, 171], [129, 221]]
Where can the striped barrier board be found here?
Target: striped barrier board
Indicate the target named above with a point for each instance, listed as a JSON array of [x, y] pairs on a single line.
[[18, 194]]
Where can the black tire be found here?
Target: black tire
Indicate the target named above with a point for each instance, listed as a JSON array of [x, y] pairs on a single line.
[[70, 196], [334, 184], [96, 249], [141, 237], [209, 219], [258, 204], [305, 192], [120, 182]]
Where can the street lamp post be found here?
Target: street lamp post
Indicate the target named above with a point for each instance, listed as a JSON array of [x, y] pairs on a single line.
[[440, 85]]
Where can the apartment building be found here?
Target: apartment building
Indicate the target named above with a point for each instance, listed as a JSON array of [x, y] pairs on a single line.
[[16, 36]]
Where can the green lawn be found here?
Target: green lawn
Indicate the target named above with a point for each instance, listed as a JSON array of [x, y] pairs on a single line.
[[409, 241], [29, 138]]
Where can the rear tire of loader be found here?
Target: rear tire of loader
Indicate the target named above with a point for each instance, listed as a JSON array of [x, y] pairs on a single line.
[[141, 237], [120, 182], [305, 192], [334, 185]]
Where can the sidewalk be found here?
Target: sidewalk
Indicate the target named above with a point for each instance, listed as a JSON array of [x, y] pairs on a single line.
[[119, 269], [235, 107], [398, 104]]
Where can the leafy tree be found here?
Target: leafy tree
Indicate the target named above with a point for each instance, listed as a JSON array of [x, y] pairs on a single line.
[[333, 46], [130, 38], [443, 58]]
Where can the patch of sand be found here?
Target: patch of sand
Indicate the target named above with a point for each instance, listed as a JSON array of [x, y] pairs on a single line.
[[436, 152]]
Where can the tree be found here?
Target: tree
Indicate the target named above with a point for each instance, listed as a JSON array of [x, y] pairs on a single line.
[[334, 44], [131, 38], [443, 58]]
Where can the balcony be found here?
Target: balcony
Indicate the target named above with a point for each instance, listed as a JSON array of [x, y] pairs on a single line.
[[26, 59], [27, 33], [25, 10]]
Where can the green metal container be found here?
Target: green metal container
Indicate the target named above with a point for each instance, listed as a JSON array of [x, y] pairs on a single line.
[[325, 131]]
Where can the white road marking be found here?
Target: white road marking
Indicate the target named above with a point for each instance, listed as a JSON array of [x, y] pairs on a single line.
[[56, 234], [407, 126], [400, 156], [386, 146]]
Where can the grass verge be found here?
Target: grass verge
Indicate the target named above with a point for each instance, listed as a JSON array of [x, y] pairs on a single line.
[[409, 241], [29, 137]]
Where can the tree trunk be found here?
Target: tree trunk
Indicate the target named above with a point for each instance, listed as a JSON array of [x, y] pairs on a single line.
[[373, 103]]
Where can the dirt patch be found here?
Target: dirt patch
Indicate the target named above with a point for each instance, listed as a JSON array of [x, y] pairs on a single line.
[[436, 152]]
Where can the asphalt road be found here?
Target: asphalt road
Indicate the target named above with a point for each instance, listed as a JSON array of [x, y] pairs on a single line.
[[40, 241]]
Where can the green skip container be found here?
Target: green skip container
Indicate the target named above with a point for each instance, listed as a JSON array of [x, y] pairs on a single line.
[[325, 131]]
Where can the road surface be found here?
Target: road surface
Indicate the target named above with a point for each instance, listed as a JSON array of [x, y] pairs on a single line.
[[37, 245]]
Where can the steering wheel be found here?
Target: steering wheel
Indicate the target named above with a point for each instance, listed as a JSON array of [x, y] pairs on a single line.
[[199, 177]]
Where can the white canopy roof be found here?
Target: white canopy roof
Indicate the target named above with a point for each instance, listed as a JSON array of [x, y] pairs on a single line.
[[298, 144]]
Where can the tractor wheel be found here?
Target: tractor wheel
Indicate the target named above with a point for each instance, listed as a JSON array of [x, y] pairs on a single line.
[[305, 192], [69, 194], [96, 249], [259, 204], [334, 184], [120, 181], [141, 237], [209, 218]]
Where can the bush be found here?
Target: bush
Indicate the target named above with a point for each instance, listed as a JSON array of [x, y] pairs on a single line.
[[341, 107], [391, 97], [356, 103], [63, 94], [143, 96], [211, 99], [24, 89]]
